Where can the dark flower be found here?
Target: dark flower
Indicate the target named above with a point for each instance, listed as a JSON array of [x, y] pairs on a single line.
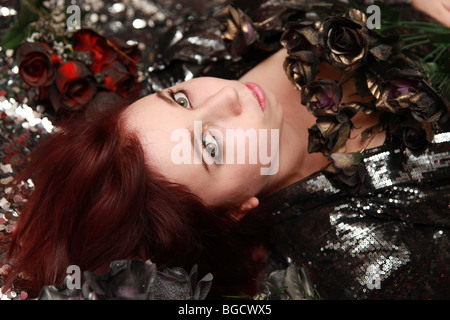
[[176, 284], [427, 105], [238, 29], [289, 284], [348, 171], [35, 64], [301, 68], [328, 135], [398, 89], [415, 139], [74, 88], [102, 54], [300, 36], [120, 80], [345, 41], [406, 91], [134, 279], [322, 97]]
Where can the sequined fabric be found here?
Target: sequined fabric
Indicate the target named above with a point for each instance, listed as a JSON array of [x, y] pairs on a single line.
[[389, 242]]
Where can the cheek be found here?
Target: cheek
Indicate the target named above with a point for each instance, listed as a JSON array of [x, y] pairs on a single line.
[[244, 177]]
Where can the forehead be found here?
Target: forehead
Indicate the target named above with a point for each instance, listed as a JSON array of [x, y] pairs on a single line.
[[151, 120], [155, 122]]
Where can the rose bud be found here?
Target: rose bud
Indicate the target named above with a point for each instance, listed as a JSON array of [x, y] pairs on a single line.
[[300, 36], [75, 86], [415, 139], [238, 29], [406, 91], [427, 105], [119, 80], [328, 136], [35, 64], [301, 68], [322, 97]]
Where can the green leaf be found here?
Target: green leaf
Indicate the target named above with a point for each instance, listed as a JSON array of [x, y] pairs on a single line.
[[29, 12], [440, 39], [14, 36], [357, 157]]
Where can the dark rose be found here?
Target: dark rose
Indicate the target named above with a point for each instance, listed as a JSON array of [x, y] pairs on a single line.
[[427, 105], [238, 29], [322, 97], [328, 136], [35, 64], [102, 54], [300, 36], [415, 139], [345, 41], [119, 79], [406, 91], [74, 88], [301, 68], [398, 89]]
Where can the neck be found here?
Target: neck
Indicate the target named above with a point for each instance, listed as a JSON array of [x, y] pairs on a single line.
[[295, 161]]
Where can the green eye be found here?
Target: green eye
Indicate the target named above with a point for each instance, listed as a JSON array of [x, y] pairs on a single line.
[[182, 99], [211, 149], [210, 145]]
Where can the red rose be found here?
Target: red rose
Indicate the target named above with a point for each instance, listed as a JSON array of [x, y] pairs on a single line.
[[101, 53], [74, 88], [35, 64], [119, 79]]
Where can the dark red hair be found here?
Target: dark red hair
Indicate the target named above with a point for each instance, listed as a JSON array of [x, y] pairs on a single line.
[[96, 200]]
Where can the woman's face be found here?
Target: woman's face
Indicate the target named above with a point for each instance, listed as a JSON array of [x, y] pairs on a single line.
[[217, 137]]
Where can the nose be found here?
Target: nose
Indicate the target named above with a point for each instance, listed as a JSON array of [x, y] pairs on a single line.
[[224, 103]]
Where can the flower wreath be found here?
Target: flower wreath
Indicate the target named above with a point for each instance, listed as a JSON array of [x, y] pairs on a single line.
[[400, 87]]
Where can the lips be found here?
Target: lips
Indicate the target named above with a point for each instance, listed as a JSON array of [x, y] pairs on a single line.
[[258, 93]]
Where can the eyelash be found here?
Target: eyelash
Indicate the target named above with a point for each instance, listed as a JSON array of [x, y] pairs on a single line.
[[180, 90]]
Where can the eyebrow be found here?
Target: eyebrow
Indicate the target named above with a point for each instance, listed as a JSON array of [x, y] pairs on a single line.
[[160, 94]]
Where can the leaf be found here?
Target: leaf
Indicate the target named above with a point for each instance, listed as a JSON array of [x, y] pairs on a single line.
[[440, 39], [14, 36], [28, 13]]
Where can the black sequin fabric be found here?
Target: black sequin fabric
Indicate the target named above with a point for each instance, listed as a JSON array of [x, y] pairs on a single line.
[[389, 242]]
